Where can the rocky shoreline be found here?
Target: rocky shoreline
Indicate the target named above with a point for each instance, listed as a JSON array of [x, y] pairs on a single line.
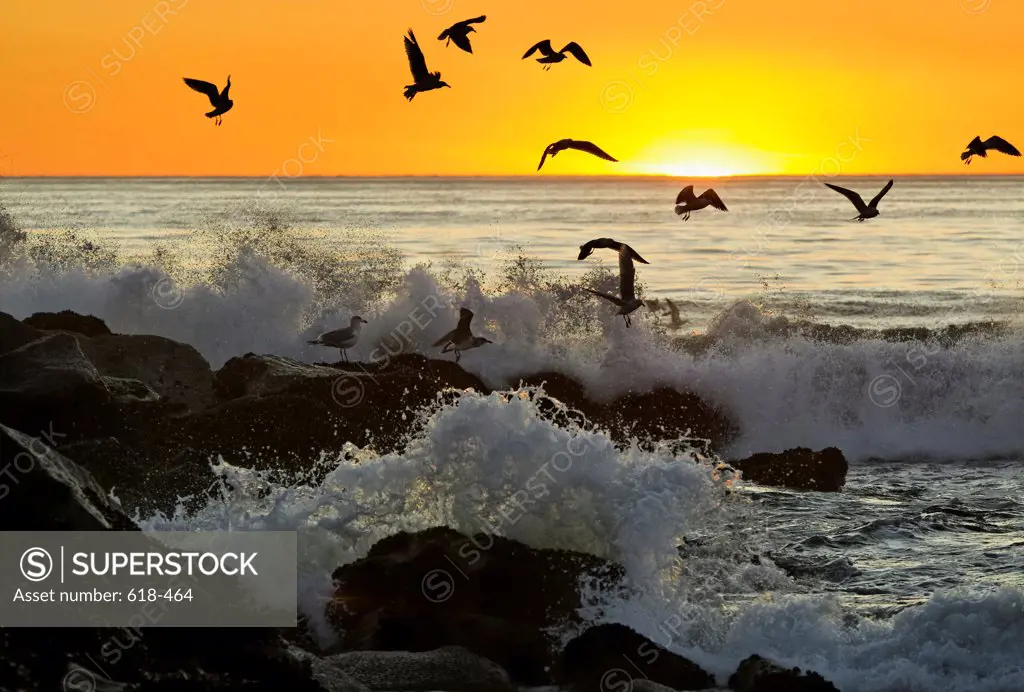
[[83, 410]]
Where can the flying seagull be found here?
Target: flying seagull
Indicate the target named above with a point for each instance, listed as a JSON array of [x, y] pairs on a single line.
[[459, 32], [686, 202], [344, 338], [579, 145], [866, 211], [979, 148], [549, 56], [627, 290], [423, 79], [220, 101], [461, 338]]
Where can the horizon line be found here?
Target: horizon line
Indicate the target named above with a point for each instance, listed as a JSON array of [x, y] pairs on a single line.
[[603, 176]]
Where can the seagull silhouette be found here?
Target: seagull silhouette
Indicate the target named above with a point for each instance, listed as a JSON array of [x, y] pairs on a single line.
[[459, 32], [423, 79], [686, 202], [461, 338], [628, 302], [979, 148], [549, 56], [577, 144], [218, 99], [343, 339], [866, 211]]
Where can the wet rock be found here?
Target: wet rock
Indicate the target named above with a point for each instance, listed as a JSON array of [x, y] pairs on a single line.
[[41, 490], [611, 656], [15, 334], [799, 468], [265, 375], [50, 381], [492, 595], [68, 321], [757, 674], [453, 669]]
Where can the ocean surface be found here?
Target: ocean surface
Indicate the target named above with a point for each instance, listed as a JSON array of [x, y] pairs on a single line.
[[898, 340]]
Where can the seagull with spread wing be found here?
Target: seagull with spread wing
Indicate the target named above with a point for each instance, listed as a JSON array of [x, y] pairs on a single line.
[[979, 148], [578, 145], [548, 56], [459, 33], [687, 202], [627, 302], [461, 338], [866, 211], [218, 99], [423, 79]]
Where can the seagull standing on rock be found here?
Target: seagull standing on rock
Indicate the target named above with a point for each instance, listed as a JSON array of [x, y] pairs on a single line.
[[343, 339]]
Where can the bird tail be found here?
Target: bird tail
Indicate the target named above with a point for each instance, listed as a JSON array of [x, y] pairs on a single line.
[[315, 342], [966, 155], [444, 339], [411, 91]]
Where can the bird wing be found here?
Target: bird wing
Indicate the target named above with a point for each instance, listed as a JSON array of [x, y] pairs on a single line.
[[474, 20], [712, 197], [850, 195], [686, 195], [417, 63], [606, 296], [635, 255], [445, 339], [592, 148], [465, 317], [224, 93], [1000, 144], [878, 198], [627, 273], [577, 52], [211, 90], [974, 143], [544, 47], [544, 156], [462, 41]]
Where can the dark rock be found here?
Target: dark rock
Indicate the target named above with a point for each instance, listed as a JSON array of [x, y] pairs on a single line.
[[757, 674], [413, 591], [43, 491], [453, 669], [799, 468], [68, 321], [50, 382], [610, 656], [266, 375], [14, 334]]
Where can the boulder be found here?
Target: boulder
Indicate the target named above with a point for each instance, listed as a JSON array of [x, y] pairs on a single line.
[[266, 375], [14, 334], [40, 490], [611, 656], [50, 382], [757, 674], [799, 468], [68, 321], [493, 595], [453, 669]]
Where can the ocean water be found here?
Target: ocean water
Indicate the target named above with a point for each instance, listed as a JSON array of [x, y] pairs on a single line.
[[911, 579]]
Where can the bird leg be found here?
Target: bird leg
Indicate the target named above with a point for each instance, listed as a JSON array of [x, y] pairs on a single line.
[[344, 354], [627, 320]]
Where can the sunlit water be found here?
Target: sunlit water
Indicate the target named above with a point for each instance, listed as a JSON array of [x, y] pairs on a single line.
[[910, 580]]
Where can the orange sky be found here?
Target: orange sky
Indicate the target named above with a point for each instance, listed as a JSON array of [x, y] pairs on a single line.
[[94, 88]]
